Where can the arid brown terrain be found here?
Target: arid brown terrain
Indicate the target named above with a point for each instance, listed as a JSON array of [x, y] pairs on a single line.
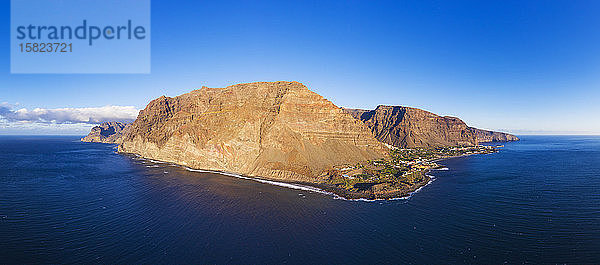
[[410, 127], [277, 130]]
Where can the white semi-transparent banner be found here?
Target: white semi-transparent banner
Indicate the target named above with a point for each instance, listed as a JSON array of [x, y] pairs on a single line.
[[80, 36]]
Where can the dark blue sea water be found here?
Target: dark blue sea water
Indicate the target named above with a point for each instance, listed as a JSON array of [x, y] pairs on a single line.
[[63, 201]]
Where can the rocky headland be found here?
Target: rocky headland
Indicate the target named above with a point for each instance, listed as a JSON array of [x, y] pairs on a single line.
[[276, 130], [107, 132], [485, 136], [407, 127], [285, 132]]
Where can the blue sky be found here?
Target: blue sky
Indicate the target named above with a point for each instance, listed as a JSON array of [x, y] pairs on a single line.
[[529, 67]]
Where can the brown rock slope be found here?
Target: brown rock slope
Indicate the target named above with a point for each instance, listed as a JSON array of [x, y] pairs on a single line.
[[107, 132], [278, 130], [410, 127], [484, 136]]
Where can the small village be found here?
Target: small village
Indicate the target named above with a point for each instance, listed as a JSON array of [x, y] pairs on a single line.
[[402, 170]]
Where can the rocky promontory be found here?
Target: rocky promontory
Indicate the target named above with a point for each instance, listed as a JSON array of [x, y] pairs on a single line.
[[107, 132], [485, 136], [410, 127], [275, 130], [407, 127], [284, 131]]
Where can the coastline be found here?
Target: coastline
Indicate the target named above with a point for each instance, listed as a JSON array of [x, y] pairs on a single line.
[[335, 192], [326, 188], [391, 195]]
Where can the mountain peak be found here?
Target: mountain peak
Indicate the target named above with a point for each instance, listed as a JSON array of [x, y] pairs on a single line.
[[279, 130]]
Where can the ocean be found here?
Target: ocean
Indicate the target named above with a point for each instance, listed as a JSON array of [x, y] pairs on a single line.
[[63, 201]]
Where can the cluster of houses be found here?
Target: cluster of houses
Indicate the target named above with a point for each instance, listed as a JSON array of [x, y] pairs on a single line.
[[419, 162]]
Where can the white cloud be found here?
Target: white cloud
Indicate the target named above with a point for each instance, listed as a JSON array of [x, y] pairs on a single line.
[[69, 115], [37, 128]]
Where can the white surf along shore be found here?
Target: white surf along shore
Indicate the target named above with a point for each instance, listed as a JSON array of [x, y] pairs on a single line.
[[284, 184]]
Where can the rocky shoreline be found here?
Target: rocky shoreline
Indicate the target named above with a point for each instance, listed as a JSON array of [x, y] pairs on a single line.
[[389, 195], [328, 188], [325, 188], [337, 192]]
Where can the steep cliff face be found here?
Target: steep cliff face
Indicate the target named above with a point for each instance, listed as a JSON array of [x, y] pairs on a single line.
[[107, 132], [279, 130], [409, 127], [484, 136]]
